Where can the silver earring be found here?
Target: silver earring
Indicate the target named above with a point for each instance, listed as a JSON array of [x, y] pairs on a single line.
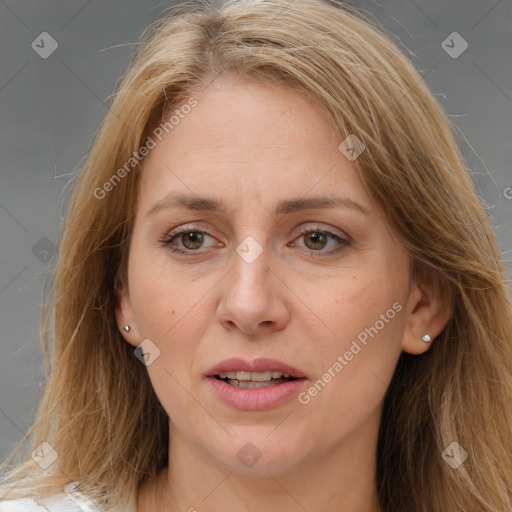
[[126, 328], [426, 338]]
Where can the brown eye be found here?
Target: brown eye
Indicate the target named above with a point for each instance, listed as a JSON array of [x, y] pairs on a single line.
[[185, 240], [318, 240], [315, 240], [194, 238]]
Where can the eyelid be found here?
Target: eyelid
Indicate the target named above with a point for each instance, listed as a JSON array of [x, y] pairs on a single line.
[[343, 240], [341, 237], [317, 226], [302, 229], [186, 228]]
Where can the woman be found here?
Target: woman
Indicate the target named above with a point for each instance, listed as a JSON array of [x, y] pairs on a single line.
[[277, 288]]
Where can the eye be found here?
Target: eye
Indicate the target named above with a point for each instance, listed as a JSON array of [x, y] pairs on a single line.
[[316, 239], [190, 237]]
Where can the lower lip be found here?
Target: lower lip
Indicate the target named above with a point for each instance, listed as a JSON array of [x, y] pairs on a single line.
[[257, 398]]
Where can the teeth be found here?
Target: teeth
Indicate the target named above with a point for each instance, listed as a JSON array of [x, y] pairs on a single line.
[[254, 385], [253, 376]]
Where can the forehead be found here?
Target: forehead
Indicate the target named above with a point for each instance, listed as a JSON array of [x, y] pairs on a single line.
[[249, 138]]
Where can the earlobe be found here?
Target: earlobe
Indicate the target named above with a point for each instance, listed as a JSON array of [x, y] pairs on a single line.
[[125, 319], [427, 314]]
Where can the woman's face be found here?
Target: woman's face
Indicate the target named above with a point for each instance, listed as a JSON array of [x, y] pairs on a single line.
[[264, 270]]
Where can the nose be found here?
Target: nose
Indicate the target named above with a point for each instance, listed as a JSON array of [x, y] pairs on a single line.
[[253, 296]]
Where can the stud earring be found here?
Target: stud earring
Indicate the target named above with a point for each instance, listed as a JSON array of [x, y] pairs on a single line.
[[426, 338], [126, 328]]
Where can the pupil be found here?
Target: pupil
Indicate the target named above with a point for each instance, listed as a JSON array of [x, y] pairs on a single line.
[[196, 238], [317, 236]]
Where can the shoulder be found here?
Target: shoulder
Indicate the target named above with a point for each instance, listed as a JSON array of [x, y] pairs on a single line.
[[56, 504], [68, 501]]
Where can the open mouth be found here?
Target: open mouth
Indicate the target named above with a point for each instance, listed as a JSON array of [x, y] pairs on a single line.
[[254, 380], [255, 385]]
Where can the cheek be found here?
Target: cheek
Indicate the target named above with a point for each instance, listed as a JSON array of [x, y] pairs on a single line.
[[168, 311], [353, 303], [160, 296], [171, 309], [356, 361], [361, 331]]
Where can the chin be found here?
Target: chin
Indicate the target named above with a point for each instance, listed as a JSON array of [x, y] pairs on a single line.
[[256, 453]]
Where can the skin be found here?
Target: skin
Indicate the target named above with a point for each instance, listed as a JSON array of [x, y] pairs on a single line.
[[252, 145]]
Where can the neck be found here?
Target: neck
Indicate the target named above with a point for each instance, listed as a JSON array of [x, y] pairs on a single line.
[[341, 480]]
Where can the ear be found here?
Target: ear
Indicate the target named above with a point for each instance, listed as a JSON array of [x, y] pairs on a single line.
[[428, 311], [124, 316]]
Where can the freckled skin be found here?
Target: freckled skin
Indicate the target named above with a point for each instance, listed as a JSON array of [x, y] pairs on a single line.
[[252, 145]]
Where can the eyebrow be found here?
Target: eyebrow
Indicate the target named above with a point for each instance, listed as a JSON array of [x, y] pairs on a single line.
[[287, 206]]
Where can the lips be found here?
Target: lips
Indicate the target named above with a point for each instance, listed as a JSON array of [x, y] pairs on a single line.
[[244, 385], [261, 364]]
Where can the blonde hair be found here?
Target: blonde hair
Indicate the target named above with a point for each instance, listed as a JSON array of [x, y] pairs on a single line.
[[99, 410]]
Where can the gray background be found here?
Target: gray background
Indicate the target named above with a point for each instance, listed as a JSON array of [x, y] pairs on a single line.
[[50, 109]]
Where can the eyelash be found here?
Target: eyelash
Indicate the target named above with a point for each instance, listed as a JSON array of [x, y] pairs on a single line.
[[168, 240]]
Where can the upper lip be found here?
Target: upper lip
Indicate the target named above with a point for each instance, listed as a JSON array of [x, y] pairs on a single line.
[[261, 364]]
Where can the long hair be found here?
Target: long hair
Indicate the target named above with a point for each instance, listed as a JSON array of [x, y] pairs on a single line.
[[99, 411]]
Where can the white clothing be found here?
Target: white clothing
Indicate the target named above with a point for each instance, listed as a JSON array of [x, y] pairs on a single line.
[[68, 501]]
